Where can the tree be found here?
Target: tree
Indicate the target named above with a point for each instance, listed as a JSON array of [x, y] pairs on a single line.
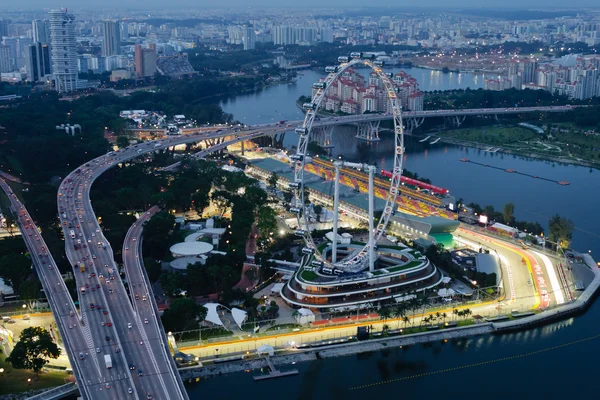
[[222, 201], [561, 230], [508, 212], [399, 312], [122, 141], [183, 314], [34, 348], [384, 313], [10, 224], [272, 181], [153, 269], [14, 269], [29, 291], [266, 222]]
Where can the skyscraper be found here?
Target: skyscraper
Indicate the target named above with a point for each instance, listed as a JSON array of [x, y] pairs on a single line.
[[4, 27], [64, 51], [111, 38], [38, 62], [40, 31], [145, 60], [249, 39], [6, 64]]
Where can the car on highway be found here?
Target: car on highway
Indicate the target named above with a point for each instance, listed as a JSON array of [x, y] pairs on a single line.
[[107, 338], [81, 356], [145, 320], [131, 367], [129, 325], [130, 390], [92, 306], [97, 349], [140, 372]]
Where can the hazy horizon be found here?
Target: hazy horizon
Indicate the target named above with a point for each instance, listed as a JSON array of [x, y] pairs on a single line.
[[547, 5]]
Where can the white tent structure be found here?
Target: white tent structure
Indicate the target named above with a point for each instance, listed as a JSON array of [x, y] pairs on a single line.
[[212, 314], [446, 292], [239, 316], [265, 349], [304, 316]]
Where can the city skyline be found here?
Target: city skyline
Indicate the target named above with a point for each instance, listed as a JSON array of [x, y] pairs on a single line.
[[156, 4]]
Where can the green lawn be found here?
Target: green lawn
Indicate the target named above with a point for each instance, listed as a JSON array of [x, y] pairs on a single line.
[[15, 380], [407, 266], [283, 326], [492, 135], [308, 275]]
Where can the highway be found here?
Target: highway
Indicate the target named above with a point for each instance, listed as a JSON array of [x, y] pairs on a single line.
[[75, 341], [118, 328], [140, 288], [354, 119]]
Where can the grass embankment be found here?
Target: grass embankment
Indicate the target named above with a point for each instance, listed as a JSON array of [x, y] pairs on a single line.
[[15, 380], [568, 143]]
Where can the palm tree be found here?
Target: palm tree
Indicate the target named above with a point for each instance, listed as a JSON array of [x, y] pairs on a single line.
[[444, 316], [467, 312], [399, 312], [455, 312], [384, 312], [406, 320]]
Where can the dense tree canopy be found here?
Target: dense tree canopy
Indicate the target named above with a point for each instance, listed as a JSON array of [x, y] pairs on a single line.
[[14, 269], [33, 350], [183, 314]]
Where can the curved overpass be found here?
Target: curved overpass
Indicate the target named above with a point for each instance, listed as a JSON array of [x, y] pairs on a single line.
[[142, 362]]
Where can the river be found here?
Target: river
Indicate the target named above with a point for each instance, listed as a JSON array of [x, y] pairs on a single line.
[[467, 368]]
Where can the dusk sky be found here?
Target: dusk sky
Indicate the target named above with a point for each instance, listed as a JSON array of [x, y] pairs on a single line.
[[136, 4]]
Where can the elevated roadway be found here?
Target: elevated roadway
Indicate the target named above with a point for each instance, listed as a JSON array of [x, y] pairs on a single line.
[[354, 119], [140, 288], [76, 341], [142, 365]]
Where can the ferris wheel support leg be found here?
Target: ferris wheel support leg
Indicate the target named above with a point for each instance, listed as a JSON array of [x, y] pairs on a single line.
[[336, 204], [371, 227]]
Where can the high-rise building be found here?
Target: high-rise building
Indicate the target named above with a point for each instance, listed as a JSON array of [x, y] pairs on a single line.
[[283, 35], [111, 38], [40, 31], [6, 64], [249, 39], [64, 50], [145, 60], [326, 35], [4, 27], [38, 62], [528, 72]]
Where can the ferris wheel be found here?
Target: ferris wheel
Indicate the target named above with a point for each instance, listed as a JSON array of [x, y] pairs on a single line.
[[356, 261]]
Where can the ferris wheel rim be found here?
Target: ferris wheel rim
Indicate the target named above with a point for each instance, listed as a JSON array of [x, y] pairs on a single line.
[[301, 153]]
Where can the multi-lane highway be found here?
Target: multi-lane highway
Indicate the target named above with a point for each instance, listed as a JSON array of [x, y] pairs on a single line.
[[141, 363], [354, 119], [140, 289], [140, 366], [84, 362]]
